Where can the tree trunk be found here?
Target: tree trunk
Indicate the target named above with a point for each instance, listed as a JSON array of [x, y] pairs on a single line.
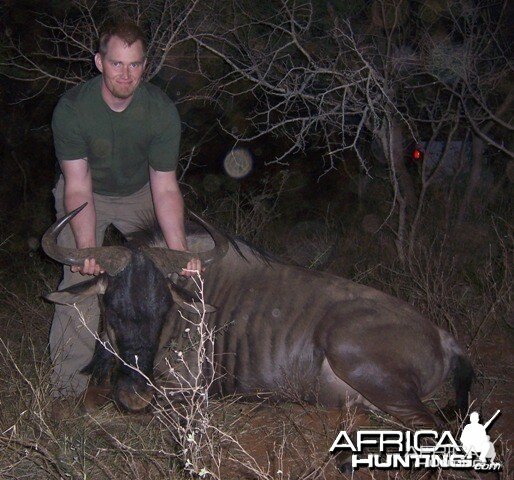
[[477, 152], [404, 178], [405, 194], [393, 146]]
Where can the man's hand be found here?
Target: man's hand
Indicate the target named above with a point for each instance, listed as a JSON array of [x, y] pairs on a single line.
[[193, 267], [90, 267]]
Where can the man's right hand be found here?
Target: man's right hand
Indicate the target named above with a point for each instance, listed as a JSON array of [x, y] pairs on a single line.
[[90, 267]]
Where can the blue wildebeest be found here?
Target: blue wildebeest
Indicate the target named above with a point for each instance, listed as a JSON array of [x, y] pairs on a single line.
[[280, 328]]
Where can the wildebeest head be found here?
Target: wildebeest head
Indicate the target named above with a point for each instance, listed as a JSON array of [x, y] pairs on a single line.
[[136, 299]]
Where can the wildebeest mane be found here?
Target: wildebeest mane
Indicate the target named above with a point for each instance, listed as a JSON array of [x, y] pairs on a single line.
[[258, 252], [149, 233]]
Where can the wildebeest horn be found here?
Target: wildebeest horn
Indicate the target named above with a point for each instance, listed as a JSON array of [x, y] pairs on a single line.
[[112, 259], [175, 260], [220, 248]]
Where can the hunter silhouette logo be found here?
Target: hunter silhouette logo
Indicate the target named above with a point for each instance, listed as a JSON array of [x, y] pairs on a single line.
[[394, 449], [474, 438]]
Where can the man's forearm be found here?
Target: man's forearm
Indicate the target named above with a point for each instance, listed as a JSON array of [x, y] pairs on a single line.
[[169, 210], [83, 226], [78, 189]]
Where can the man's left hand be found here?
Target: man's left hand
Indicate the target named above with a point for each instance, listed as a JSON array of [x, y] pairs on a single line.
[[194, 267]]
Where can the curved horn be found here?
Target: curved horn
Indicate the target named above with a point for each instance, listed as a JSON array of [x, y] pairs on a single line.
[[175, 260], [220, 248], [112, 259]]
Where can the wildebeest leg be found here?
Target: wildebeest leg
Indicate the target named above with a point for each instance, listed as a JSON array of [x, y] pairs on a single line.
[[413, 413], [393, 394], [99, 389]]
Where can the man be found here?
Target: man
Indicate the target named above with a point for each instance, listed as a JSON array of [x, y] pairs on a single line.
[[116, 139]]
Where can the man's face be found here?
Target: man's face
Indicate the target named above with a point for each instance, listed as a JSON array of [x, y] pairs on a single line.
[[121, 67]]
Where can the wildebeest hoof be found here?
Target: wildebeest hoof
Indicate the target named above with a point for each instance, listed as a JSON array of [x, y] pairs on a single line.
[[134, 402], [96, 397]]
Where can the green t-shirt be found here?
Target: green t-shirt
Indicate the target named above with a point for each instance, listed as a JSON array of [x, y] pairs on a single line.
[[119, 146]]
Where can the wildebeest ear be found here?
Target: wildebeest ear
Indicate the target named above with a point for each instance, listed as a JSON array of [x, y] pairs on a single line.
[[186, 300], [79, 292]]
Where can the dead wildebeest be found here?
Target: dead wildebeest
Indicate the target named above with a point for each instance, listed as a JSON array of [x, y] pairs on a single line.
[[280, 329]]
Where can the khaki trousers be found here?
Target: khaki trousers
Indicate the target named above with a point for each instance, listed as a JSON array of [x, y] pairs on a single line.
[[71, 341]]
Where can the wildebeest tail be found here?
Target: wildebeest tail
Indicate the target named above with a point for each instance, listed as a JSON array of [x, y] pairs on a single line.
[[463, 375]]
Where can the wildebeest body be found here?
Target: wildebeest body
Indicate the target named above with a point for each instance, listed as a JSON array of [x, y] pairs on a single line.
[[295, 333], [286, 332]]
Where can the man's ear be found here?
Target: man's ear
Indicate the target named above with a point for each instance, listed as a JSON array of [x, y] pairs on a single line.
[[79, 292], [98, 62]]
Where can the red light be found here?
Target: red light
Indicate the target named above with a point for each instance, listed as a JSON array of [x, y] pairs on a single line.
[[417, 154]]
